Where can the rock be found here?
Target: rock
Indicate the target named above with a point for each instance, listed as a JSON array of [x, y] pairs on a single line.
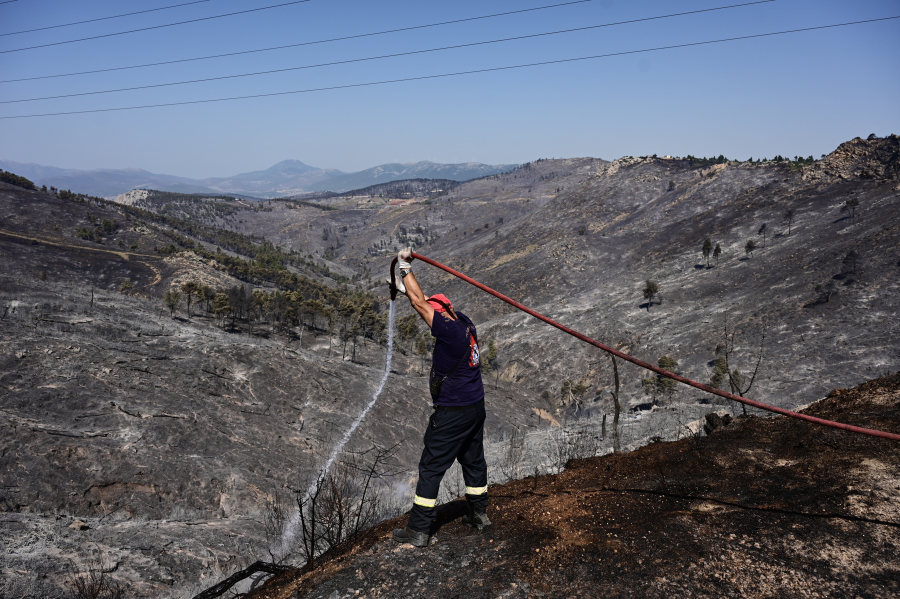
[[873, 158], [79, 525], [714, 421]]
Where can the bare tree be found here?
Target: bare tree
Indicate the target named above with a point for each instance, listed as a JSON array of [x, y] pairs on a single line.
[[657, 384], [707, 250], [762, 231], [720, 373], [737, 380], [489, 361], [617, 407], [789, 217], [827, 290], [510, 465], [851, 261], [95, 584], [716, 253], [190, 289], [424, 345], [850, 206], [342, 503]]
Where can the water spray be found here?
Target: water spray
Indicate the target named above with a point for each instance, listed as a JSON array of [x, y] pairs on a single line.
[[290, 529]]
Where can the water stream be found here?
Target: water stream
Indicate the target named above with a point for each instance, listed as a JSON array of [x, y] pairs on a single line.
[[290, 529]]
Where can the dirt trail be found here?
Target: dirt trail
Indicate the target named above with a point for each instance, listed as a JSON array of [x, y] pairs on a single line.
[[764, 507], [127, 256]]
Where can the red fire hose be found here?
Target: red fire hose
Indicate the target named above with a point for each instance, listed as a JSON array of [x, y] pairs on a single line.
[[641, 363]]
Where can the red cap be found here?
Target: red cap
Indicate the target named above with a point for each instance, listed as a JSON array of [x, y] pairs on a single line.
[[439, 302]]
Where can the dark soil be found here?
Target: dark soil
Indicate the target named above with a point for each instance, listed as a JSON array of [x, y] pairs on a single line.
[[764, 507]]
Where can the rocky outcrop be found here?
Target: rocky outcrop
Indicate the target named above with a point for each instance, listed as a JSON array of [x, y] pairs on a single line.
[[133, 197], [873, 158]]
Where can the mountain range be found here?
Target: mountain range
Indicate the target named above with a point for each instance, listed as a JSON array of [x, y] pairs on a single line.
[[287, 178]]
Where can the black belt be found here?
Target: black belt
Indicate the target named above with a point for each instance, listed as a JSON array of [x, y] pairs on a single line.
[[467, 408]]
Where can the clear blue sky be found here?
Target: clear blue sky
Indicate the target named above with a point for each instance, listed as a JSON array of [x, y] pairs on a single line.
[[795, 94]]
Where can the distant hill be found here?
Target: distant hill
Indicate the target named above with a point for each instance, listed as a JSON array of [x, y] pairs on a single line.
[[418, 170], [287, 178], [104, 182]]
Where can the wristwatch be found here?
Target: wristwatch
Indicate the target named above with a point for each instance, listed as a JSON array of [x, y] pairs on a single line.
[[403, 273]]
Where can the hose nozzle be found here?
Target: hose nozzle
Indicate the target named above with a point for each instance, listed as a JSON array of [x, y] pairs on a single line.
[[393, 279]]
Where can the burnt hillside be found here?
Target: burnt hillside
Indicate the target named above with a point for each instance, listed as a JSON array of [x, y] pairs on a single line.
[[763, 507], [165, 433], [577, 239], [820, 286]]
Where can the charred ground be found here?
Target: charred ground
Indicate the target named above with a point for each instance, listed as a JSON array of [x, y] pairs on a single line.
[[163, 435], [764, 507]]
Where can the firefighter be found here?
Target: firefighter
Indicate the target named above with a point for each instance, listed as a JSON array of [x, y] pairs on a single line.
[[456, 427]]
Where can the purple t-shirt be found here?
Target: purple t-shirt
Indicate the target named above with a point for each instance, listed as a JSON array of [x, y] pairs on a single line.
[[463, 387]]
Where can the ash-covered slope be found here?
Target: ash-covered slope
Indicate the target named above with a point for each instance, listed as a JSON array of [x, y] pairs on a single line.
[[761, 508], [164, 436], [584, 255], [577, 239]]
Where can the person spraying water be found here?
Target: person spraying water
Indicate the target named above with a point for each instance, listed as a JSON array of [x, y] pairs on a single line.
[[456, 427]]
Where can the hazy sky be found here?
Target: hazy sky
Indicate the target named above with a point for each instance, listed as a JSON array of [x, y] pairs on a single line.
[[801, 93]]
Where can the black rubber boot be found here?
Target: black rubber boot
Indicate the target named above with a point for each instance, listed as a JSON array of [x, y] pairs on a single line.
[[413, 537], [476, 517]]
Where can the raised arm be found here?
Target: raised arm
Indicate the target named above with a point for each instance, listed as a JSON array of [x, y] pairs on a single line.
[[413, 291], [417, 299]]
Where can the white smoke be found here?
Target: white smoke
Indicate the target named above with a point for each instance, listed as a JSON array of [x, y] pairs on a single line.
[[290, 529]]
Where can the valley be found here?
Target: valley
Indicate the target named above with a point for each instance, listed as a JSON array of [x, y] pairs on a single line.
[[165, 431]]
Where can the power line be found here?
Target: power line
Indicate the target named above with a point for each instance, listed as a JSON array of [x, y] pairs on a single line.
[[128, 14], [96, 37], [9, 1], [396, 55], [335, 39], [459, 73]]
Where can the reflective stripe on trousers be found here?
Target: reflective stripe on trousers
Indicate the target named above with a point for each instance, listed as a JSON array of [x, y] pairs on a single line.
[[425, 502]]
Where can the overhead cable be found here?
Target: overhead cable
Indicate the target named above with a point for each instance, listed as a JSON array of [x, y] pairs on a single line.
[[324, 41], [97, 37], [456, 74], [8, 1], [128, 14], [383, 56]]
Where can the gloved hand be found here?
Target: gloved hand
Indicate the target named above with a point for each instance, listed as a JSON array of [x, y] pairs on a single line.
[[404, 257], [398, 285]]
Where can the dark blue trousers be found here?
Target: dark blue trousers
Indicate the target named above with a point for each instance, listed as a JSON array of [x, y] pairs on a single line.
[[450, 436]]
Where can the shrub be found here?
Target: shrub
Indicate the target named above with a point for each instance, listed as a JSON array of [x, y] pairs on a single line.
[[16, 180]]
